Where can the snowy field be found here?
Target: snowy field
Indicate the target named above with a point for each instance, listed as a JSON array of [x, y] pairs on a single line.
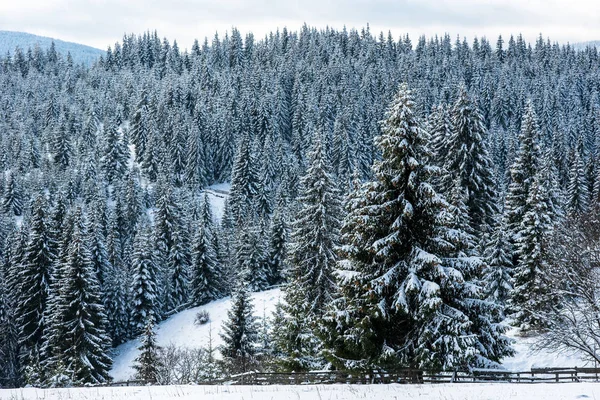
[[465, 391], [181, 331]]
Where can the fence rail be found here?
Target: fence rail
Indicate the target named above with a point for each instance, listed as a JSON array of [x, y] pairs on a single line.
[[404, 376], [407, 376]]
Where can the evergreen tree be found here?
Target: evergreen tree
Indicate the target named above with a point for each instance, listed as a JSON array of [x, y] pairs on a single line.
[[441, 129], [530, 296], [250, 259], [86, 342], [467, 159], [115, 155], [311, 260], [523, 170], [34, 281], [497, 277], [178, 265], [205, 270], [115, 288], [148, 364], [314, 235], [408, 294], [12, 202], [277, 250], [172, 255], [577, 189], [10, 375], [145, 302], [240, 332], [244, 181]]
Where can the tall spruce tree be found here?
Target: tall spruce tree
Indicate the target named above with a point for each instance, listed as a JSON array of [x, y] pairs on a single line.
[[407, 291], [497, 276], [145, 302], [244, 181], [251, 262], [311, 259], [86, 343], [277, 250], [240, 332], [34, 280], [206, 274], [523, 170], [147, 364], [577, 189], [467, 159], [530, 296]]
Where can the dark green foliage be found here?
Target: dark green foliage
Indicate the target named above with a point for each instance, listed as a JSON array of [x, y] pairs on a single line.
[[147, 364], [240, 333]]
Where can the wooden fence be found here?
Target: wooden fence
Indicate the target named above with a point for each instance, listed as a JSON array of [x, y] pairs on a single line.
[[404, 376], [408, 376]]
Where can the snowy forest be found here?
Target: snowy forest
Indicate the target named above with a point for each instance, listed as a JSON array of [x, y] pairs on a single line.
[[413, 201]]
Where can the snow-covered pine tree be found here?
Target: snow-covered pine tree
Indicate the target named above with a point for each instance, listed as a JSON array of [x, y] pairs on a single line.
[[115, 287], [311, 259], [12, 202], [314, 233], [250, 261], [577, 189], [147, 364], [115, 155], [530, 296], [441, 129], [244, 181], [172, 256], [206, 274], [178, 265], [34, 280], [497, 275], [467, 159], [86, 343], [277, 249], [145, 302], [10, 374], [522, 171], [240, 332], [406, 280]]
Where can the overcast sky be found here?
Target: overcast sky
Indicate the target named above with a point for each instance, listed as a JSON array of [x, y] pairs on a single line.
[[101, 23]]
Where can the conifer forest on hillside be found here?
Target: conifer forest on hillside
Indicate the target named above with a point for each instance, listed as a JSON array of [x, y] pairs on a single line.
[[413, 200]]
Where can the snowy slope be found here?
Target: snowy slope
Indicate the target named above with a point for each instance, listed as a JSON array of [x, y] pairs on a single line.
[[457, 391], [181, 331]]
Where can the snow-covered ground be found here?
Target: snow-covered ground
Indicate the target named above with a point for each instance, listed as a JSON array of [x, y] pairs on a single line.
[[217, 197], [181, 331], [525, 359], [457, 391]]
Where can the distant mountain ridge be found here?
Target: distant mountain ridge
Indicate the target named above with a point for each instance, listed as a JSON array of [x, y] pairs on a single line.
[[583, 45], [9, 41]]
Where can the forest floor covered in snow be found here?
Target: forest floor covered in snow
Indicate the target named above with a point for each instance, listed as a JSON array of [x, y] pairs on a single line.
[[456, 391]]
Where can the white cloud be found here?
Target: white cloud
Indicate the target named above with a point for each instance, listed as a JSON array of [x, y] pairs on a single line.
[[102, 22]]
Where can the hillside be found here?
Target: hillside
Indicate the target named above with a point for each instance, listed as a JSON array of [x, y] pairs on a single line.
[[80, 53], [180, 330]]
